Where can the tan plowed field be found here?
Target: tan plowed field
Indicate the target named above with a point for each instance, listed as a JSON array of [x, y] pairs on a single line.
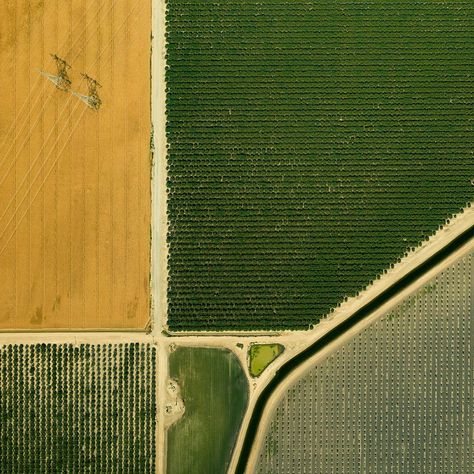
[[74, 181]]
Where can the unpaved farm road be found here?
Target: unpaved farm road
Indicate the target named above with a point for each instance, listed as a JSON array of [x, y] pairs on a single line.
[[450, 246], [302, 349]]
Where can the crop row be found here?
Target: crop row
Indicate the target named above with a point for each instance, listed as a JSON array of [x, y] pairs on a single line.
[[310, 146], [391, 396], [85, 408]]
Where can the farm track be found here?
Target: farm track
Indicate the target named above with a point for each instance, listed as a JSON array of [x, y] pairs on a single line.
[[295, 342], [259, 416]]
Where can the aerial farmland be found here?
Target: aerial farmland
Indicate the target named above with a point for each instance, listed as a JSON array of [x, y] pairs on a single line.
[[74, 169], [215, 389], [394, 398], [236, 237], [311, 145], [86, 408]]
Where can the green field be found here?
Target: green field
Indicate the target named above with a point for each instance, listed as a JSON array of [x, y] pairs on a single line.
[[215, 392], [261, 355], [77, 409], [311, 145]]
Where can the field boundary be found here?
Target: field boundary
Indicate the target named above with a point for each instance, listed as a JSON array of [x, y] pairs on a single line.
[[301, 371], [159, 222], [460, 237], [454, 224], [159, 215]]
